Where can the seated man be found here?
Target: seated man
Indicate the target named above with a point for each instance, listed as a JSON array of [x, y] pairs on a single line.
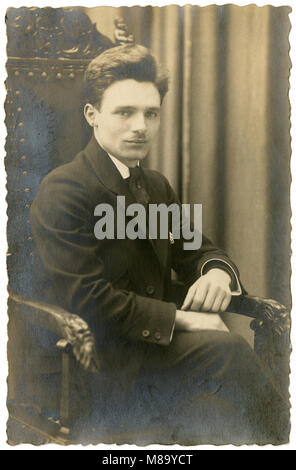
[[178, 365]]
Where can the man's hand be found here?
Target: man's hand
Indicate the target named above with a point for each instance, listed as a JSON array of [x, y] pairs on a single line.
[[197, 321], [210, 293]]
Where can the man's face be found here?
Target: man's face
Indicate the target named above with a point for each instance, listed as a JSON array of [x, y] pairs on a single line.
[[128, 119]]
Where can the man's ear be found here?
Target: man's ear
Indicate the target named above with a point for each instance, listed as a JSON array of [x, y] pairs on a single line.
[[90, 114]]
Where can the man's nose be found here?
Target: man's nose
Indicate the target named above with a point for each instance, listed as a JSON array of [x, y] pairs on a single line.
[[139, 123]]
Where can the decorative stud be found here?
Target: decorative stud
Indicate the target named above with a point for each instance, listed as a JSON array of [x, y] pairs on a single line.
[[22, 140], [25, 172], [23, 157], [27, 190], [20, 124], [59, 75], [30, 74], [17, 92], [16, 73], [19, 109], [44, 74], [71, 75]]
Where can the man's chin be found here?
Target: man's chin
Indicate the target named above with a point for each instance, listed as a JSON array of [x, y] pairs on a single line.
[[131, 156], [141, 156]]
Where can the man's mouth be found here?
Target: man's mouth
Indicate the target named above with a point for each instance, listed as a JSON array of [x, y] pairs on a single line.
[[137, 141]]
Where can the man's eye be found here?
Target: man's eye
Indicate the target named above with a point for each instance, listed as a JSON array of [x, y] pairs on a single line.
[[124, 113], [151, 114]]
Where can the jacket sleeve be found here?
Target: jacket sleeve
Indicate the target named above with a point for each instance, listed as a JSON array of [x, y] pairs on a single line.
[[191, 264], [61, 219]]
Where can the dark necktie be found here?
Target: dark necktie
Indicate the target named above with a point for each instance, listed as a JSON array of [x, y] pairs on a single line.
[[140, 194], [136, 186]]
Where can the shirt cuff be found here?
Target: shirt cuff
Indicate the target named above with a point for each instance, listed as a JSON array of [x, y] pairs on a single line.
[[222, 264]]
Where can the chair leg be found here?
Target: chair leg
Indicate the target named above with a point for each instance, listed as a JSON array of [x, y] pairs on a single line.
[[65, 394], [65, 418]]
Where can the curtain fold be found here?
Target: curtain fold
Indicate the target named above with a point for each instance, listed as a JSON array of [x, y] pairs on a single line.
[[165, 43], [246, 137]]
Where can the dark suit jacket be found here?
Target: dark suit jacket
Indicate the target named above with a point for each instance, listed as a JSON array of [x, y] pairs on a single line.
[[121, 287]]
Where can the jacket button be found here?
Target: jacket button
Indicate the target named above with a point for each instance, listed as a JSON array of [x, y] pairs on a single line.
[[157, 335], [145, 333], [150, 290]]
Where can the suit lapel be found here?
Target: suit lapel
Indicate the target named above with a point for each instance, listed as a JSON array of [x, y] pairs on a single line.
[[106, 171], [110, 177], [160, 246]]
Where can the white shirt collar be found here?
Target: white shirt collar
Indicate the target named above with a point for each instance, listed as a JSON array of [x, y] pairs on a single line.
[[121, 167]]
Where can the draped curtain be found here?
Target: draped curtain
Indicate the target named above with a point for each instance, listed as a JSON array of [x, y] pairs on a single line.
[[224, 139]]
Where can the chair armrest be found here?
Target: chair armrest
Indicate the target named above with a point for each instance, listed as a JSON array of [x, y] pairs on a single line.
[[271, 327], [74, 333], [266, 313]]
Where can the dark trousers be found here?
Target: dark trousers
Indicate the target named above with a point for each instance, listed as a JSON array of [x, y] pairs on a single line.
[[206, 387], [211, 388]]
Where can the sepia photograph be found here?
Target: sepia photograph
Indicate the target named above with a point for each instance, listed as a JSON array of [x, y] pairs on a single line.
[[148, 178]]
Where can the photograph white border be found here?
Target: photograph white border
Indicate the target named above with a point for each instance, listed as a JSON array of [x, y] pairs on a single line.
[[3, 217]]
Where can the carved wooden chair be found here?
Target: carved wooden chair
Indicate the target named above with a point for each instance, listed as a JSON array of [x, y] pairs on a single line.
[[48, 50]]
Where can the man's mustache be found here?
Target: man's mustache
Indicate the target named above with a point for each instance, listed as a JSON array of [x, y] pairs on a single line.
[[140, 138]]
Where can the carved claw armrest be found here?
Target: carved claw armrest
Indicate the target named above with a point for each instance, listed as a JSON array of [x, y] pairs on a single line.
[[72, 330], [267, 313], [271, 325]]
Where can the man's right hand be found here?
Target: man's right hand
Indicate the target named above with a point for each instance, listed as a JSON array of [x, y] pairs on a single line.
[[196, 321]]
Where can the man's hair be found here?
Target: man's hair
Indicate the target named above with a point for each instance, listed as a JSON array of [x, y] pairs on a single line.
[[130, 61]]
